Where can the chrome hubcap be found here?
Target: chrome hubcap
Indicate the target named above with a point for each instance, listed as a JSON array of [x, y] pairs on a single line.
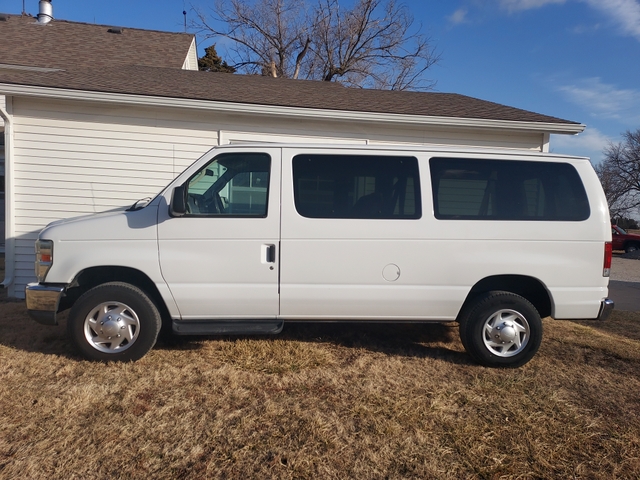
[[506, 333], [111, 327]]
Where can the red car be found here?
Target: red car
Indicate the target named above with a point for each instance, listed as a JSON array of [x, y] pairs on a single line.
[[622, 240]]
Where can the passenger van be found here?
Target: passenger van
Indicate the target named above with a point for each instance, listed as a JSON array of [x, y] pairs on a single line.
[[253, 236]]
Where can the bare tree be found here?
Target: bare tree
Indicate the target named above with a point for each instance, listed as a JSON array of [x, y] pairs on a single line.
[[269, 37], [373, 44], [370, 45], [619, 174]]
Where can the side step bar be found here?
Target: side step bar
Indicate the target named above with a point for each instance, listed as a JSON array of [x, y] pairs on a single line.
[[228, 327]]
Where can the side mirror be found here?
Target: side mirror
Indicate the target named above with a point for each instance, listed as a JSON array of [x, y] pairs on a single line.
[[178, 205]]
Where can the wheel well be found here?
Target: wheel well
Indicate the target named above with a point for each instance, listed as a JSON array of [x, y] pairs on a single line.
[[528, 287], [94, 276]]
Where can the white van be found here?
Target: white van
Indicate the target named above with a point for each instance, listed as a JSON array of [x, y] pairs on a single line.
[[252, 236]]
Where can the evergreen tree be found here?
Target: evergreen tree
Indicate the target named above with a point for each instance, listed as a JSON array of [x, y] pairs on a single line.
[[211, 62]]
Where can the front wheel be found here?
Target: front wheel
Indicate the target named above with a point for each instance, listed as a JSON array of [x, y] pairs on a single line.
[[114, 322], [631, 247], [501, 329]]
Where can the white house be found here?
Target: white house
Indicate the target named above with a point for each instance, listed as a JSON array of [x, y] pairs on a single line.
[[82, 137]]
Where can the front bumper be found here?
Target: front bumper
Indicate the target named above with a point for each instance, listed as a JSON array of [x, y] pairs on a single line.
[[43, 302], [606, 307]]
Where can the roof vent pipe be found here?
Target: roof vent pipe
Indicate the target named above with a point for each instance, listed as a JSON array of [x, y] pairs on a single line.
[[45, 15]]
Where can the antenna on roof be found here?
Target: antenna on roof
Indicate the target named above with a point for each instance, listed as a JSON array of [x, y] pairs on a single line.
[[24, 12], [184, 12]]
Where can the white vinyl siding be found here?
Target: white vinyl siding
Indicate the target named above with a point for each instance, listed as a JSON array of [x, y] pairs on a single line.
[[191, 60], [227, 138], [473, 138]]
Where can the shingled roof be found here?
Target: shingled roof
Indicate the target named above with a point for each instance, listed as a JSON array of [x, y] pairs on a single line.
[[24, 41], [82, 57], [257, 90]]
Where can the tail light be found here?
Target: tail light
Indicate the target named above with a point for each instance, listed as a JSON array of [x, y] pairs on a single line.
[[608, 253]]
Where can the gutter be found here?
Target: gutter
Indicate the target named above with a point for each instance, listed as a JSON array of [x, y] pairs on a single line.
[[8, 179], [291, 112]]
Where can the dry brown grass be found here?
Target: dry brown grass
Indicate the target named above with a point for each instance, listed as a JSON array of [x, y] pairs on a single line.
[[323, 401]]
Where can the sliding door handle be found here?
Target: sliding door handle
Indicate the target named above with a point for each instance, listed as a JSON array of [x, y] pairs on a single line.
[[268, 254], [271, 254]]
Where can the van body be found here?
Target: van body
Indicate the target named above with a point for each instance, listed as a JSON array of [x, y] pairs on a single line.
[[252, 236]]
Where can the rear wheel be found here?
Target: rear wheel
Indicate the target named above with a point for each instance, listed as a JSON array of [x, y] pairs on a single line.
[[114, 322], [501, 329]]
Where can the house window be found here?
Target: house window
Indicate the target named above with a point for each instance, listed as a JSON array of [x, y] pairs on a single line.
[[351, 186]]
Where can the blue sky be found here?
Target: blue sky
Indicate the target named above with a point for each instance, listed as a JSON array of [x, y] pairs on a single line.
[[574, 59]]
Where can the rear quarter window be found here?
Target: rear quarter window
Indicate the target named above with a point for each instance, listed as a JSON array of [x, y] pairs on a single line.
[[484, 189]]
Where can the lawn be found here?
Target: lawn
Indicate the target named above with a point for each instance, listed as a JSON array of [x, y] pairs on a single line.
[[322, 401]]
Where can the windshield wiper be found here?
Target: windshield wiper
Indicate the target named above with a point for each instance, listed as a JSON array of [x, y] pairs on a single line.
[[139, 204]]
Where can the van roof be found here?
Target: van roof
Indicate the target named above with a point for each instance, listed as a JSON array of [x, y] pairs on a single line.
[[437, 149]]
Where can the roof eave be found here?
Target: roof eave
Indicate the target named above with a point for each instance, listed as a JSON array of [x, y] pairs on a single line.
[[291, 112]]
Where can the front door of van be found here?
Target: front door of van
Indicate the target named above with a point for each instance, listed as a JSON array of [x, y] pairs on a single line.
[[220, 258]]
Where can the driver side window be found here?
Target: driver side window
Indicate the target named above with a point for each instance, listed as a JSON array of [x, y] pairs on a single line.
[[232, 184]]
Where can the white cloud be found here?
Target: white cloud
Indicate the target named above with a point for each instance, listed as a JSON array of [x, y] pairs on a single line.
[[459, 16], [624, 12], [582, 29], [589, 143], [516, 5], [604, 100]]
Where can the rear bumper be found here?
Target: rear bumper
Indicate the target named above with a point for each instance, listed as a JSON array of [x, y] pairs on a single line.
[[43, 302], [606, 307]]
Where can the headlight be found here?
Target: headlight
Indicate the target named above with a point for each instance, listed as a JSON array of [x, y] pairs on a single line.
[[44, 258]]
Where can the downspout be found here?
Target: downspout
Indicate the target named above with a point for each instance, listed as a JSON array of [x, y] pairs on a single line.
[[8, 199]]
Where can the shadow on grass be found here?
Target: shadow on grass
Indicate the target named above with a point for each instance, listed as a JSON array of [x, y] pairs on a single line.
[[19, 332], [421, 340], [625, 324]]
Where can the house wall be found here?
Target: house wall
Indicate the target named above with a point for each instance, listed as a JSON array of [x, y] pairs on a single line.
[[74, 158], [191, 60]]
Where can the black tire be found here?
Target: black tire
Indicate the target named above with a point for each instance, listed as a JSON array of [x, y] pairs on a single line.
[[501, 329], [114, 322], [631, 247]]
